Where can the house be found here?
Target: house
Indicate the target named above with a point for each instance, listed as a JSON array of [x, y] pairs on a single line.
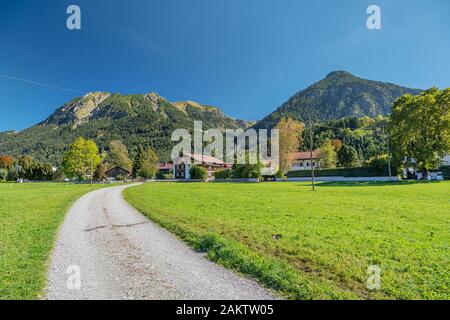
[[117, 173], [211, 164], [165, 168], [302, 160]]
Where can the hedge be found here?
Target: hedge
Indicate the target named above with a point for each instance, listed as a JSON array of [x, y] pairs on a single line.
[[446, 172], [338, 172]]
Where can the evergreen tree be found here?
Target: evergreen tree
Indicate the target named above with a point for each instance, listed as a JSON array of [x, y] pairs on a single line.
[[348, 156], [137, 162]]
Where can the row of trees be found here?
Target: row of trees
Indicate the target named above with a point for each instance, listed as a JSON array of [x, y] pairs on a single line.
[[418, 128], [333, 152], [83, 160], [25, 167]]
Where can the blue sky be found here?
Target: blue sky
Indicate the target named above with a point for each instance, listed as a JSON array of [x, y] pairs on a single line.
[[244, 56]]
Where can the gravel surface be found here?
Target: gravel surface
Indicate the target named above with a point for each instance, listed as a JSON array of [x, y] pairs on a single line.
[[123, 255]]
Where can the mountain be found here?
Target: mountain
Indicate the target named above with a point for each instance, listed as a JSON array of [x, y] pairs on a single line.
[[339, 95], [143, 119], [149, 119]]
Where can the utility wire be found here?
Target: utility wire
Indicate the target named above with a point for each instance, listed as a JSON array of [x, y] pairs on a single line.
[[42, 84]]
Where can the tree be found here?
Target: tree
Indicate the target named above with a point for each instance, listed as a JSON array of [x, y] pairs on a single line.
[[100, 172], [148, 167], [198, 173], [118, 155], [25, 166], [348, 156], [81, 159], [3, 173], [28, 168], [419, 129], [6, 162], [41, 171], [290, 141], [137, 162], [329, 156], [337, 144]]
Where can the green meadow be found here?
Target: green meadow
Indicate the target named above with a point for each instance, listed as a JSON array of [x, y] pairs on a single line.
[[30, 215], [315, 245]]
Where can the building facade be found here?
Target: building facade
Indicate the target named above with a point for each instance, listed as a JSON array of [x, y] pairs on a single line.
[[211, 164], [302, 161], [117, 172]]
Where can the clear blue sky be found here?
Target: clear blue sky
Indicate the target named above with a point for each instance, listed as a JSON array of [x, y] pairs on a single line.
[[244, 56]]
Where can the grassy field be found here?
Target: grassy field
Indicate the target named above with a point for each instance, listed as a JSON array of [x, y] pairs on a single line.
[[30, 215], [312, 245]]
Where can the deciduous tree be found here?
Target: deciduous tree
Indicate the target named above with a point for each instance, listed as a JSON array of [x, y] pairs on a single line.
[[149, 164], [290, 141], [100, 172], [3, 174], [81, 159], [420, 129], [329, 156], [6, 162], [118, 155]]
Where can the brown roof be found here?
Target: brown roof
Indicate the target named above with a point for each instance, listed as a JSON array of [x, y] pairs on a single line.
[[118, 168], [205, 159], [307, 155]]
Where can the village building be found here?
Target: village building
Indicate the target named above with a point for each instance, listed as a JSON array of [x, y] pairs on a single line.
[[302, 160], [118, 173], [165, 168], [211, 164]]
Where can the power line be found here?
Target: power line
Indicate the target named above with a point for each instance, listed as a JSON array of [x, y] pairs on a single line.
[[42, 84]]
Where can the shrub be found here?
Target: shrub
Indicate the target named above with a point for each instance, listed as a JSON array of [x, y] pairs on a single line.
[[198, 173], [223, 174], [246, 171], [378, 165], [164, 176], [280, 175]]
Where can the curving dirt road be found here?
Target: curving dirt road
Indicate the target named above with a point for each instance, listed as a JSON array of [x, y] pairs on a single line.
[[108, 250]]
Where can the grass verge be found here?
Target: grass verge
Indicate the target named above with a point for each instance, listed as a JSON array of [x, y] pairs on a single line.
[[315, 245], [30, 215]]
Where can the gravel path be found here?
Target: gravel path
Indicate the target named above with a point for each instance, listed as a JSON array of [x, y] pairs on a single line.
[[120, 254]]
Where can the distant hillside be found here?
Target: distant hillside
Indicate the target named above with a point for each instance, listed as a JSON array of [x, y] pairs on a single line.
[[146, 119], [339, 95]]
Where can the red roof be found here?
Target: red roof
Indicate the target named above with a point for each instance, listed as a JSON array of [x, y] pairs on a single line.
[[165, 166], [307, 155]]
